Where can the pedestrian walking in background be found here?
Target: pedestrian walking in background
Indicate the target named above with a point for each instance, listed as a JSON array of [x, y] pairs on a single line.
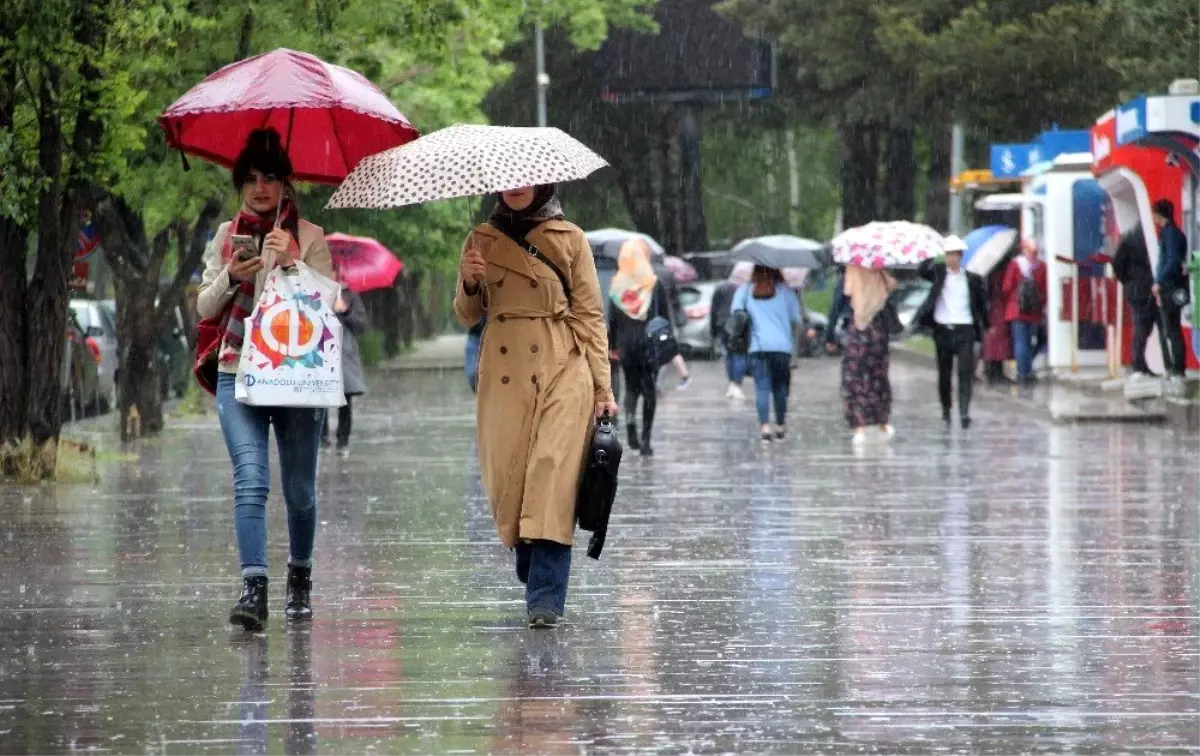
[[543, 380], [839, 307], [636, 296], [1171, 286], [471, 353], [774, 311], [956, 312], [678, 317], [997, 339], [866, 386], [735, 362], [1131, 266], [231, 284], [353, 315], [1025, 305]]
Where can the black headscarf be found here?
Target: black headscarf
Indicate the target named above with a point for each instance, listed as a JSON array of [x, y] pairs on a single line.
[[545, 206]]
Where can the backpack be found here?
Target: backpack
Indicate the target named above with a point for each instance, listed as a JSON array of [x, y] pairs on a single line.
[[737, 332], [1029, 299], [661, 346]]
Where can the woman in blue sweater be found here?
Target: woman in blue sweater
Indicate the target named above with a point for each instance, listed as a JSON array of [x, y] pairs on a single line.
[[774, 311]]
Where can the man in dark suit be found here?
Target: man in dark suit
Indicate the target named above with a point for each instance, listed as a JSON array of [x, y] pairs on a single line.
[[956, 312], [1171, 285]]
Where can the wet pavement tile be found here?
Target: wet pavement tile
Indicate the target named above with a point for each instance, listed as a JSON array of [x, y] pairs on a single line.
[[1019, 588]]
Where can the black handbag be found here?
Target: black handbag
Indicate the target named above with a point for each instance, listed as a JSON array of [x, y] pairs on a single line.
[[737, 332], [891, 320], [661, 345], [598, 486]]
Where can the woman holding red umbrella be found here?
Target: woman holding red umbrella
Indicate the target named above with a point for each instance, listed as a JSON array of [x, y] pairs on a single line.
[[266, 233]]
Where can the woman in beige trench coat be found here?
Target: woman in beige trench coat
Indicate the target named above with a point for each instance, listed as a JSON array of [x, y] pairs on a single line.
[[543, 379]]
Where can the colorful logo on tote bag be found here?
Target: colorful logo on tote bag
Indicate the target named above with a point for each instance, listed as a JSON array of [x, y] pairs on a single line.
[[291, 332]]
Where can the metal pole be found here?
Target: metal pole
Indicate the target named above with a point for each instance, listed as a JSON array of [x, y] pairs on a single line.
[[543, 81], [957, 166]]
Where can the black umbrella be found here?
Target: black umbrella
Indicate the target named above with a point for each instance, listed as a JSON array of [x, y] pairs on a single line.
[[783, 252]]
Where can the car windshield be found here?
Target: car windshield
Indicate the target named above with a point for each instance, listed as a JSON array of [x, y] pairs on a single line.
[[109, 319], [82, 313], [689, 296]]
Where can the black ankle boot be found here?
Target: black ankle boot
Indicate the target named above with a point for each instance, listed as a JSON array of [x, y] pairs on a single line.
[[645, 446], [633, 435], [251, 609], [299, 593]]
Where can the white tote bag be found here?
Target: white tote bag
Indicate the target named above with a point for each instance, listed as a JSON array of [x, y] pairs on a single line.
[[292, 349]]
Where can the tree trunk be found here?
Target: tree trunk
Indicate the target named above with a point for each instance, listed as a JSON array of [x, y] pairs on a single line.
[[624, 139], [139, 386], [46, 314], [670, 184], [937, 201], [860, 173], [691, 186], [900, 175], [14, 357]]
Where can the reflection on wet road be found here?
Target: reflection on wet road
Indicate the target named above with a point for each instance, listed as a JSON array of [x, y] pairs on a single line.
[[1023, 588]]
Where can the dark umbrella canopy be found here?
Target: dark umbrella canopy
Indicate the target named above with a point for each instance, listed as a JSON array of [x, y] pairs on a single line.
[[783, 252]]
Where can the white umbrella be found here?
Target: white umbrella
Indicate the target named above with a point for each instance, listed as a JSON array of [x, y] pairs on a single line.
[[465, 160]]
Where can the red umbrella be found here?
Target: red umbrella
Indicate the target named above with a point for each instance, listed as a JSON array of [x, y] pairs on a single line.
[[362, 263], [330, 117]]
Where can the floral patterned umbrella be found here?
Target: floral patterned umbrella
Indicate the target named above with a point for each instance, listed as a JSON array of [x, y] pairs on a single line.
[[466, 160], [892, 244]]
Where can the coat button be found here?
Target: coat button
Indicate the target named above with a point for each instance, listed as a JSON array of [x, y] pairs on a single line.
[[533, 379], [533, 284], [499, 284], [500, 318], [504, 380], [534, 348], [503, 350]]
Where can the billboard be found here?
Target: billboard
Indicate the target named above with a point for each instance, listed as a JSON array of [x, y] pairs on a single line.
[[697, 55]]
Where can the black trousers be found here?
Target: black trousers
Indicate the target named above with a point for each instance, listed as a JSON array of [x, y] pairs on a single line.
[[640, 381], [955, 343], [345, 420], [1172, 327], [1145, 316]]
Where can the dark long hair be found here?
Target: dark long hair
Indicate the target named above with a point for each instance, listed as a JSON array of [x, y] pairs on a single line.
[[263, 151], [765, 280]]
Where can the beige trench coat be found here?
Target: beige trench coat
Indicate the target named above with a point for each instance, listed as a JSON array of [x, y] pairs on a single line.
[[542, 370]]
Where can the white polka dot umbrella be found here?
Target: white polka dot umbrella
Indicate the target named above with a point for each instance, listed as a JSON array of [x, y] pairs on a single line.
[[465, 160]]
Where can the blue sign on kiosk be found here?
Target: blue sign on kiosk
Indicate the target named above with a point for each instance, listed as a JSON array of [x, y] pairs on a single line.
[[1011, 161]]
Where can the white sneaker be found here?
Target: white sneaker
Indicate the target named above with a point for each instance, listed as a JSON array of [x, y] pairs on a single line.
[[736, 393], [860, 438], [888, 432]]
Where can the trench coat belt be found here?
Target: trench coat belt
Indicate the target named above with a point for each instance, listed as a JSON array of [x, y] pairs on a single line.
[[526, 313]]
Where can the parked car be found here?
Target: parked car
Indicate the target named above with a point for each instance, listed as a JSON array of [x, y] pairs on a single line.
[[98, 322], [695, 337], [908, 297], [80, 372]]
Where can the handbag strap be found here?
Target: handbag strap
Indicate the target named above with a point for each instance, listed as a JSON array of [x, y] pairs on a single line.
[[533, 251]]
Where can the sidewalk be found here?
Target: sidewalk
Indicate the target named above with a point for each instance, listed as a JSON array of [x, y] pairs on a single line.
[[446, 352], [1079, 399]]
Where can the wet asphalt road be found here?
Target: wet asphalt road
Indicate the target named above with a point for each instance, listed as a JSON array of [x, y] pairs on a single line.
[[1021, 588]]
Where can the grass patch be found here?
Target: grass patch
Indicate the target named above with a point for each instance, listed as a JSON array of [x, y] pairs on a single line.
[[921, 344], [72, 462], [370, 349], [196, 402]]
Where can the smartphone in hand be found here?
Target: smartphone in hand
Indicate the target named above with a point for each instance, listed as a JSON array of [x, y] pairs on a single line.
[[244, 247]]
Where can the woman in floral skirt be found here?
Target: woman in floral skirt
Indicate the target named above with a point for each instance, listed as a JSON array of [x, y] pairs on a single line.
[[866, 388]]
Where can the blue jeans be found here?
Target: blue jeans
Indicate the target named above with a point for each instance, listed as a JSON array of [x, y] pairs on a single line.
[[1022, 335], [544, 567], [772, 380], [298, 436], [735, 367], [471, 361]]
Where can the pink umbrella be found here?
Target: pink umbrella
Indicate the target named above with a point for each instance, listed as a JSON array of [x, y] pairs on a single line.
[[330, 117], [682, 270], [362, 263], [793, 277]]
